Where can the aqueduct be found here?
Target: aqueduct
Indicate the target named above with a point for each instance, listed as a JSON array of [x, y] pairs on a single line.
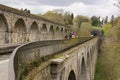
[[19, 27], [43, 54], [54, 60]]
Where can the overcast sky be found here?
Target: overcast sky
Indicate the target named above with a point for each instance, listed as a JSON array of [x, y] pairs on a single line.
[[78, 7]]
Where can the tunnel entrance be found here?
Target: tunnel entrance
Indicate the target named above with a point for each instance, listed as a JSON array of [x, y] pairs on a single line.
[[72, 76]]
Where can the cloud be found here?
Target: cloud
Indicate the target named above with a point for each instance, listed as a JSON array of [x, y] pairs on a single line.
[[78, 7], [103, 10], [53, 2]]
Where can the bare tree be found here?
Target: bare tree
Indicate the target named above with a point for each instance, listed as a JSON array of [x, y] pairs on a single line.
[[117, 4]]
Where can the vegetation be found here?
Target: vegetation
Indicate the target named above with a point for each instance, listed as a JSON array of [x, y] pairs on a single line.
[[95, 21], [108, 64], [112, 20], [117, 4], [106, 19], [106, 27], [58, 15], [85, 29], [79, 19], [54, 16], [100, 73], [109, 57], [97, 28], [68, 18]]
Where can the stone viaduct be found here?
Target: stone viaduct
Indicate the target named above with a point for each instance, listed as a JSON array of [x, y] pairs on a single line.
[[54, 60], [17, 26], [43, 53]]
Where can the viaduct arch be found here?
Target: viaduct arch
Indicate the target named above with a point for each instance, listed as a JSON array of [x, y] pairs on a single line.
[[3, 29], [19, 27], [72, 75], [34, 32], [19, 32]]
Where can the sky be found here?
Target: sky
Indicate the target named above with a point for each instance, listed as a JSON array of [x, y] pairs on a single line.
[[88, 8]]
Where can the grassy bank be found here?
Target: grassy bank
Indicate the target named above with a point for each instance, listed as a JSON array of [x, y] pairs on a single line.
[[100, 73], [108, 62]]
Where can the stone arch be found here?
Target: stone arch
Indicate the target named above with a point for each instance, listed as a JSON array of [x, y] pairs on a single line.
[[62, 33], [65, 30], [19, 31], [61, 30], [51, 29], [91, 51], [57, 33], [3, 30], [51, 32], [83, 73], [44, 28], [57, 29], [34, 32], [92, 61], [88, 56], [44, 32], [88, 66], [72, 75]]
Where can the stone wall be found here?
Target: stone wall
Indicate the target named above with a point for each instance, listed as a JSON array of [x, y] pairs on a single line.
[[31, 54]]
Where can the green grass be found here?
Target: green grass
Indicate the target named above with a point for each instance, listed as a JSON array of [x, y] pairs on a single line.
[[85, 29], [97, 28], [106, 27], [100, 71]]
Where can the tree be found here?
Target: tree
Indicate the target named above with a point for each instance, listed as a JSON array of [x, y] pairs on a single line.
[[72, 16], [59, 11], [79, 19], [112, 20], [56, 17], [117, 4], [106, 27], [117, 24], [85, 29], [95, 21], [68, 18], [106, 19]]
